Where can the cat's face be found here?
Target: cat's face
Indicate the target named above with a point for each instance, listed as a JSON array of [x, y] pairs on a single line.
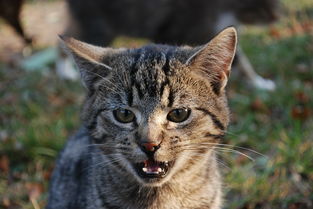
[[157, 110]]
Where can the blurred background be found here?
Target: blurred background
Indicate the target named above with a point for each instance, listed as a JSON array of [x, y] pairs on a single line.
[[39, 110]]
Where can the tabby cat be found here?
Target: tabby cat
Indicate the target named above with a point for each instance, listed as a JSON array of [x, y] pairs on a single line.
[[151, 120]]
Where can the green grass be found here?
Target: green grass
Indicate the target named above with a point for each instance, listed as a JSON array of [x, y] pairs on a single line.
[[278, 124], [38, 112]]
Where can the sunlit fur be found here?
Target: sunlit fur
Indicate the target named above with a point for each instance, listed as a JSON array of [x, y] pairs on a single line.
[[95, 170]]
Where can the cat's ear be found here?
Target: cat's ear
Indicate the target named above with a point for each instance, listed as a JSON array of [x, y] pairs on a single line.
[[89, 60], [213, 61]]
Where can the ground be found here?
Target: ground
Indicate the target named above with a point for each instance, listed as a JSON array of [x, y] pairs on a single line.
[[38, 111]]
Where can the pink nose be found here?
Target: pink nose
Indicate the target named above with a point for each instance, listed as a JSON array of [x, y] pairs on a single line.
[[149, 147]]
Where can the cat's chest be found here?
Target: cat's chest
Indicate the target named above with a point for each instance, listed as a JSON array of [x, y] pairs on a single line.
[[165, 200]]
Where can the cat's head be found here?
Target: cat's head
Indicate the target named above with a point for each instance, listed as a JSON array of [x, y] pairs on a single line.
[[155, 111]]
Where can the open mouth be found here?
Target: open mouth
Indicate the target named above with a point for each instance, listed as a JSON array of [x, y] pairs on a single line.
[[153, 169]]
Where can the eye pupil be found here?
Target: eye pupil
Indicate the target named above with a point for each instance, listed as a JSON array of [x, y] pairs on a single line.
[[178, 115], [124, 115]]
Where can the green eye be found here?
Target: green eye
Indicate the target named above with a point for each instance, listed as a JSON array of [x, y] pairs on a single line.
[[178, 115], [124, 115]]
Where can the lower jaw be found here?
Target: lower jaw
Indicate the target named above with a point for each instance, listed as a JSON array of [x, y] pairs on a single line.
[[153, 180]]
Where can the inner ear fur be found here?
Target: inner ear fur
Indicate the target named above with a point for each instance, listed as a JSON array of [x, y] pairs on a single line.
[[213, 61], [89, 60]]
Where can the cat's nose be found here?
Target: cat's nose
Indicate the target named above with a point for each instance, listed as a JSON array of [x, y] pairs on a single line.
[[149, 148]]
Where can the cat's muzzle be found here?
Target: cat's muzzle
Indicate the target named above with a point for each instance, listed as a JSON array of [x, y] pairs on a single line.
[[153, 169]]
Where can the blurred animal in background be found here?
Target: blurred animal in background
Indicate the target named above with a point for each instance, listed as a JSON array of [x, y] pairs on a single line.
[[10, 11], [177, 22]]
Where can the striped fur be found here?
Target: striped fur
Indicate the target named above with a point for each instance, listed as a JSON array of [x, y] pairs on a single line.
[[95, 170]]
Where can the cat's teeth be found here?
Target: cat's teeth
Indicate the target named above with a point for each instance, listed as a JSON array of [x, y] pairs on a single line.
[[146, 170]]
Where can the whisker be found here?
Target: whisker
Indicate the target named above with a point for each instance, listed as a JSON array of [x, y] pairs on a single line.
[[108, 152], [222, 145], [106, 80], [230, 133], [242, 148], [224, 150], [104, 146], [221, 162], [236, 151], [105, 163], [103, 78]]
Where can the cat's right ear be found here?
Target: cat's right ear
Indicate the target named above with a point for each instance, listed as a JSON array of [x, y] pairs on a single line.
[[89, 60], [213, 61]]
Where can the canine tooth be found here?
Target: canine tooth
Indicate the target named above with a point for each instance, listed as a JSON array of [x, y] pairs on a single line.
[[159, 169], [144, 169]]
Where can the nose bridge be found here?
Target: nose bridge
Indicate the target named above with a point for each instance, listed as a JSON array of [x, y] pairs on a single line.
[[150, 133], [153, 131], [150, 138]]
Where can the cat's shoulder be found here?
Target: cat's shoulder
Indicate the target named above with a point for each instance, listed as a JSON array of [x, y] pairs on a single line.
[[77, 144], [73, 154], [69, 172]]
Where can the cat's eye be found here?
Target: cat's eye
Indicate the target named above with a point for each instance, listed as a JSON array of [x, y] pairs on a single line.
[[124, 115], [178, 115]]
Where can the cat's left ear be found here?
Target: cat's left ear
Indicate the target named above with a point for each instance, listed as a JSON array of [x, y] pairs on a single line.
[[213, 61], [89, 60]]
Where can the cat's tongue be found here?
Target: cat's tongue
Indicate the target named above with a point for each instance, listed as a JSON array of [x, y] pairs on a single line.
[[152, 167]]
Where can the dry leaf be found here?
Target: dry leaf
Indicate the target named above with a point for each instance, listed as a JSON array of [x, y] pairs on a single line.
[[34, 190], [302, 97], [298, 205], [6, 202], [275, 33], [258, 105], [4, 164], [300, 112]]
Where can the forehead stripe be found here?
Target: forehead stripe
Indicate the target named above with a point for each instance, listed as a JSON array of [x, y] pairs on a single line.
[[130, 97], [171, 97], [166, 67], [139, 91], [162, 87], [134, 66]]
